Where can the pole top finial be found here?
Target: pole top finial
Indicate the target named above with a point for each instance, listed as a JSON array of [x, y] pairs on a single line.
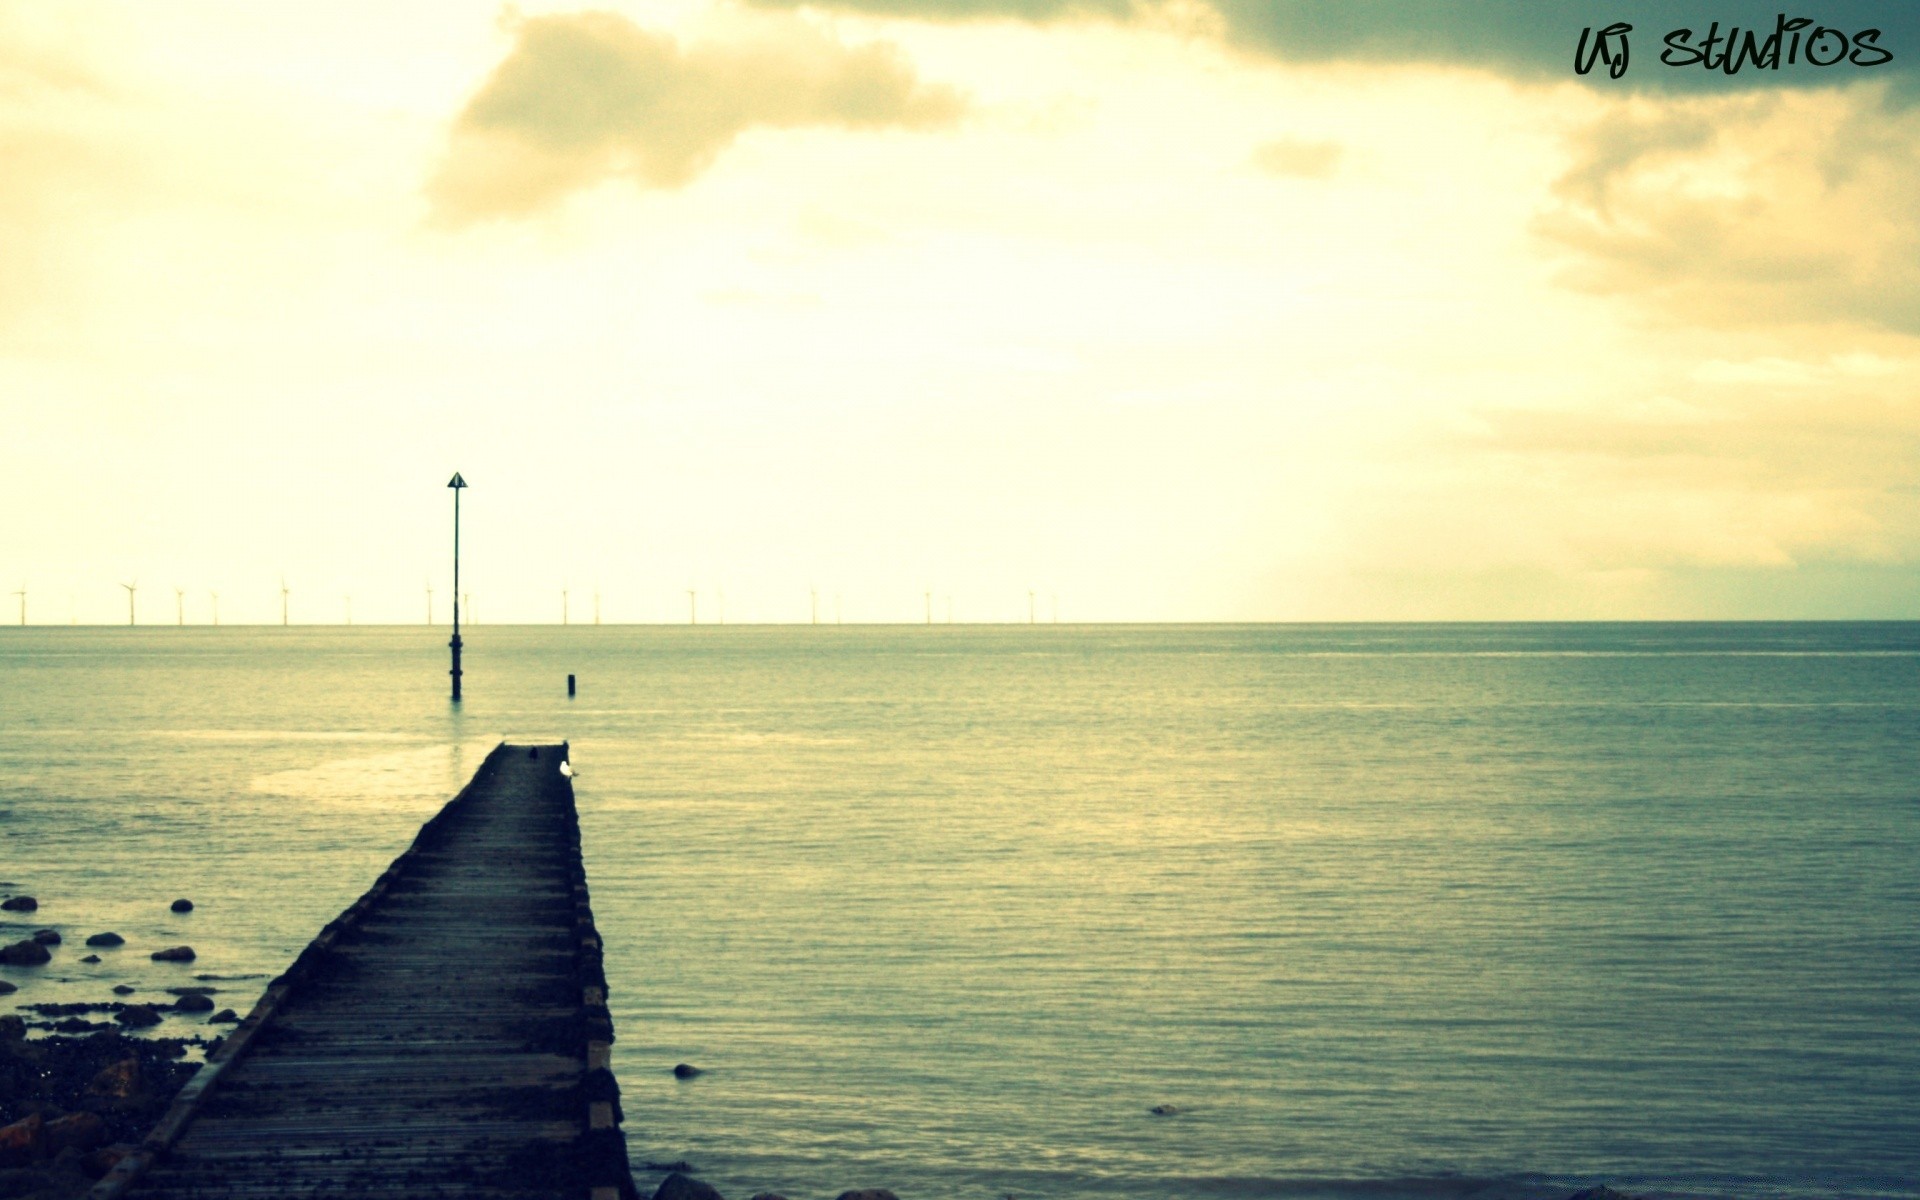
[[456, 481]]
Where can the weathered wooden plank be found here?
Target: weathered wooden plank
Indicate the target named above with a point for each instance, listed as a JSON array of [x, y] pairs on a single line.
[[445, 1036]]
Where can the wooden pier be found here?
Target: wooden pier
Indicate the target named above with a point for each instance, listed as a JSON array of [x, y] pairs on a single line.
[[446, 1036]]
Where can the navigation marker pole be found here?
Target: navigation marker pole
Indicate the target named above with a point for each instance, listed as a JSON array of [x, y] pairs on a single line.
[[456, 483]]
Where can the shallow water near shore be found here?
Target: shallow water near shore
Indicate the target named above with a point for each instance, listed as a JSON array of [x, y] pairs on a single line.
[[1378, 910]]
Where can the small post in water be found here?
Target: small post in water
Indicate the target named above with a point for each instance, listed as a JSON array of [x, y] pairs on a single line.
[[456, 483], [569, 686]]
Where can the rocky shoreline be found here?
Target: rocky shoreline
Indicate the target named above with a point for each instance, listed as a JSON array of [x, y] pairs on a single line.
[[72, 1106]]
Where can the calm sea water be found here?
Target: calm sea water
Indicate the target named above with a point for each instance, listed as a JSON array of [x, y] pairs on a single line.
[[1381, 910]]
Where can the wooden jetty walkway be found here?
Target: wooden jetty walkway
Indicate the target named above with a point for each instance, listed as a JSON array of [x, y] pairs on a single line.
[[446, 1036]]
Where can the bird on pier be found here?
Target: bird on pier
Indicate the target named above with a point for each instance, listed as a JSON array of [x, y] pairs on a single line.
[[566, 768]]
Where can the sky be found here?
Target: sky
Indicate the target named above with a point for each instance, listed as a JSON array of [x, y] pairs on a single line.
[[1114, 310]]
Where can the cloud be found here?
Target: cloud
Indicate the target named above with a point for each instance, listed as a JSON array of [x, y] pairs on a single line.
[[591, 96], [1521, 38], [1751, 210], [63, 156], [1297, 159]]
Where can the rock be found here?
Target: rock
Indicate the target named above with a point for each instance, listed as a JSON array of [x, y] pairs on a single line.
[[868, 1194], [183, 905], [1163, 1110], [106, 1158], [19, 904], [23, 1141], [679, 1164], [8, 989], [678, 1187], [82, 1131], [79, 1025], [137, 1016], [173, 954], [119, 1080], [106, 939], [24, 954], [1603, 1192], [13, 1029], [225, 1016], [685, 1071], [193, 1003], [91, 958], [768, 1196], [47, 937], [124, 989]]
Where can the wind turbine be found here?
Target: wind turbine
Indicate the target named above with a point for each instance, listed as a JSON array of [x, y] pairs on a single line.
[[1056, 607], [216, 606], [22, 593], [949, 608], [1029, 606], [349, 599], [131, 588], [720, 602], [563, 605], [815, 594], [466, 602], [596, 606], [429, 604], [693, 608], [283, 600], [179, 606], [929, 608]]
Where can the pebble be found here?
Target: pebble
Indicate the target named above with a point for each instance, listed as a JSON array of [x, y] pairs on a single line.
[[106, 939], [19, 904], [173, 954], [183, 905]]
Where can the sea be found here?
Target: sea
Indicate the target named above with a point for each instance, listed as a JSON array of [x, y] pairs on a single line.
[[1363, 910]]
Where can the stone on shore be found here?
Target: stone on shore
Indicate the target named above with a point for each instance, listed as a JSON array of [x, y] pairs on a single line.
[[678, 1187], [118, 1080], [1163, 1110], [24, 954], [90, 958], [13, 1029], [1603, 1192], [124, 989], [106, 939], [193, 1003], [7, 989], [173, 954], [23, 1141], [183, 905], [19, 904], [868, 1194], [685, 1071], [137, 1016], [82, 1131], [768, 1196], [47, 937], [225, 1016]]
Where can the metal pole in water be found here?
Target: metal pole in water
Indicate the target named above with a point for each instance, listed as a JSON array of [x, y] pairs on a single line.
[[456, 483], [569, 685]]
